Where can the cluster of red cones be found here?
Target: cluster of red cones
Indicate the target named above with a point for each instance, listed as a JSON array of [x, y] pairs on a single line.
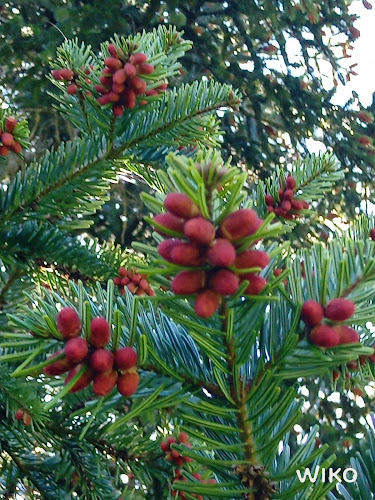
[[7, 139], [286, 206], [179, 460], [90, 358], [218, 267]]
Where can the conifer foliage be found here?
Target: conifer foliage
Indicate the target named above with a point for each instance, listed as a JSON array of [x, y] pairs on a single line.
[[170, 370]]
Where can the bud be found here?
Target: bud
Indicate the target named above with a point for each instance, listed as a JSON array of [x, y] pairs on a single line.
[[256, 283], [221, 253], [104, 383], [68, 323], [170, 222], [102, 360], [113, 63], [347, 335], [76, 349], [83, 381], [339, 309], [291, 183], [119, 77], [225, 282], [16, 147], [112, 50], [166, 246], [66, 74], [206, 303], [138, 58], [10, 124], [199, 230], [58, 367], [125, 358], [181, 205], [145, 69], [187, 254], [127, 383], [252, 258], [7, 139], [239, 224], [312, 312], [297, 204], [324, 336], [188, 282], [100, 332]]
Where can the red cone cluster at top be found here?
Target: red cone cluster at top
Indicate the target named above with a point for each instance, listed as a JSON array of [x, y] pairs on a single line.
[[287, 206], [180, 460], [102, 367], [372, 234], [134, 282], [7, 139], [122, 80], [325, 334], [199, 244]]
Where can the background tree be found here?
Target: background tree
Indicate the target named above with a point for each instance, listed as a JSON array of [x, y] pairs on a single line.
[[273, 52]]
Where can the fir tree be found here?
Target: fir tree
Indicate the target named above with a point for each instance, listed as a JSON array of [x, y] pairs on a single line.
[[172, 369]]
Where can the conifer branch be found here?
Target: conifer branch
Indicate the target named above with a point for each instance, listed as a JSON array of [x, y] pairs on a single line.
[[191, 381], [12, 278], [240, 402]]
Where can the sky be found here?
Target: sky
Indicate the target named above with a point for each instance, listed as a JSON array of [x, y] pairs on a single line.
[[364, 55]]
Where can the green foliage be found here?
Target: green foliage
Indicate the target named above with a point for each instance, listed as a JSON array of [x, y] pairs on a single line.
[[232, 381]]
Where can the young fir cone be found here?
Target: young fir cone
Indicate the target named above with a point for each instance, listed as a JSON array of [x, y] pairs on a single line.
[[207, 303], [166, 246], [104, 383], [181, 205], [19, 413], [324, 336], [171, 222], [68, 323], [347, 335], [76, 349], [339, 309], [187, 254], [125, 358], [239, 224], [312, 313], [100, 332], [252, 258], [225, 282], [188, 282], [84, 380], [58, 367], [256, 283], [221, 253], [199, 230], [102, 360], [127, 383]]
